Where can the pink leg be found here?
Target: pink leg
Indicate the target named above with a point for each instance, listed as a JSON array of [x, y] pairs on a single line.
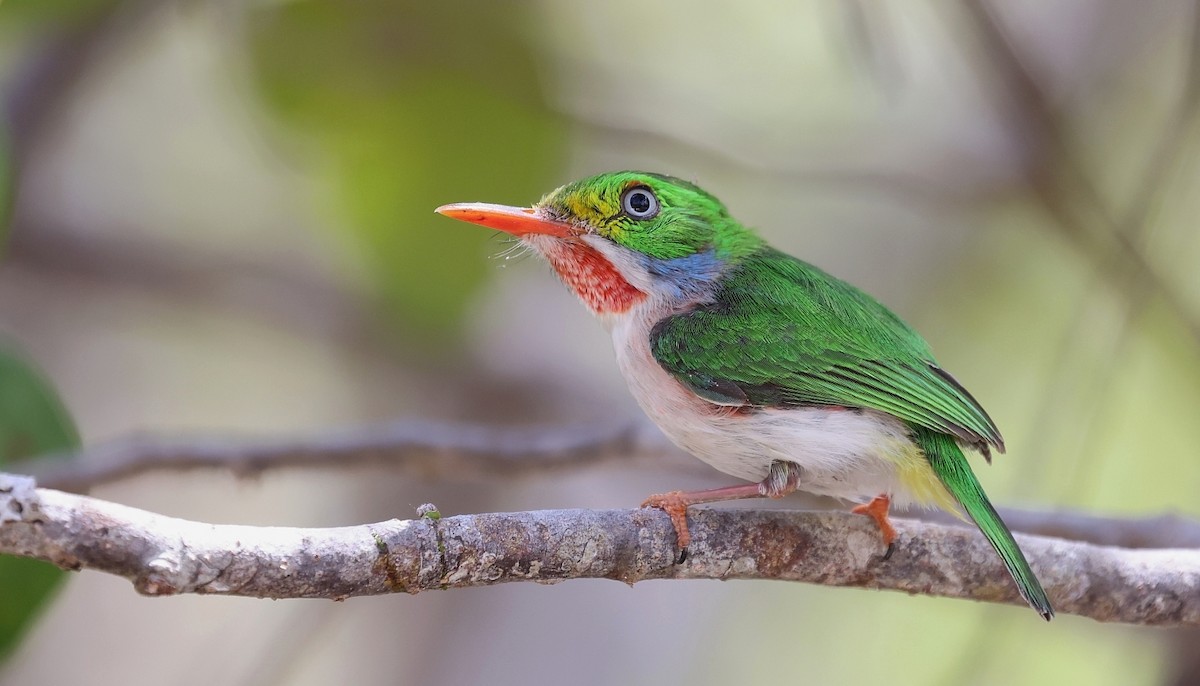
[[781, 480]]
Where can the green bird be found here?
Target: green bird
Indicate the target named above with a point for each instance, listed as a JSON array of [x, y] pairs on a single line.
[[762, 365]]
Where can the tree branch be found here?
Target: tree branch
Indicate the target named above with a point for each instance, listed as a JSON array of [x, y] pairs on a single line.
[[166, 556]]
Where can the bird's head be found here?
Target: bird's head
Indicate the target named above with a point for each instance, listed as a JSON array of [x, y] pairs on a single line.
[[621, 238]]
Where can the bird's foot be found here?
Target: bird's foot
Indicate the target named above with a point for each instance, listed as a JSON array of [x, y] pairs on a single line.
[[877, 509], [675, 504], [781, 480]]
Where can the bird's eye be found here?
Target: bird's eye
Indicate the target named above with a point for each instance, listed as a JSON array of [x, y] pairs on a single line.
[[639, 203]]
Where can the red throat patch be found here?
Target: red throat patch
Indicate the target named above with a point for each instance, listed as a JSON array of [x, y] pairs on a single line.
[[593, 278]]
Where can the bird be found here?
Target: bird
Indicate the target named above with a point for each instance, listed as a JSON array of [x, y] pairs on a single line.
[[763, 366]]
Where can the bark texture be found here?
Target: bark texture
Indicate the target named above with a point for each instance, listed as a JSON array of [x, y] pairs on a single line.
[[165, 556]]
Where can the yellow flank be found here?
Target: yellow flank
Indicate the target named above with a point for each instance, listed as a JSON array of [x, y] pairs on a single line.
[[918, 477]]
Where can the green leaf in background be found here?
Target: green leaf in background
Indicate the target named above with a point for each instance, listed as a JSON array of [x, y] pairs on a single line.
[[32, 422], [412, 106]]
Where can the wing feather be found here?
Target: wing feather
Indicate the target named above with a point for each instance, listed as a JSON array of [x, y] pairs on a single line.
[[783, 333]]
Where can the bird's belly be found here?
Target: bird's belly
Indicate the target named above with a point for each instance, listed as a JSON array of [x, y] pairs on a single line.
[[844, 453], [847, 454]]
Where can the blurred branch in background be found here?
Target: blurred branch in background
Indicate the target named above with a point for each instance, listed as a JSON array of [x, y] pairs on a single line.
[[1112, 240], [265, 290], [432, 450], [167, 556], [425, 449]]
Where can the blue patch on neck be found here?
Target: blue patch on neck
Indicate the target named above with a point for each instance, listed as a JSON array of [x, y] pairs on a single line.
[[686, 277]]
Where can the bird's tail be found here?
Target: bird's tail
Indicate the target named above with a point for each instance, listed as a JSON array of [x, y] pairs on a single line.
[[951, 466]]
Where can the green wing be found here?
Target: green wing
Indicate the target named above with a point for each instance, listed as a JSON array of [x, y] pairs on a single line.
[[783, 333]]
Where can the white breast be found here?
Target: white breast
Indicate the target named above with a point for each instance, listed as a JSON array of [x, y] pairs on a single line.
[[849, 454]]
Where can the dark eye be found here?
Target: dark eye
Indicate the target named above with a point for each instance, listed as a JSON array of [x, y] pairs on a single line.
[[639, 203]]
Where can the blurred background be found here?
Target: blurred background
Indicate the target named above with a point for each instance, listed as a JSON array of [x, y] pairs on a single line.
[[220, 220]]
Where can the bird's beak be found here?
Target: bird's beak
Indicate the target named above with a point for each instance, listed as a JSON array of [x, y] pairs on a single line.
[[519, 221]]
